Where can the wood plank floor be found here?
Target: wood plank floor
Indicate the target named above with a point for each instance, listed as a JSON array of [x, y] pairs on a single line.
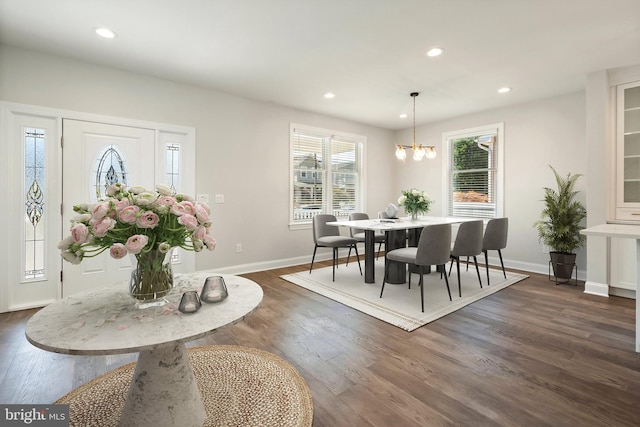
[[534, 354]]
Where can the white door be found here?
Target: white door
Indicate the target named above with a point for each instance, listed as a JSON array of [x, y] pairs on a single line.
[[94, 155]]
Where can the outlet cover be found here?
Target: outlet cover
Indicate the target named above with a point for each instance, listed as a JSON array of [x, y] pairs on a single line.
[[219, 198]]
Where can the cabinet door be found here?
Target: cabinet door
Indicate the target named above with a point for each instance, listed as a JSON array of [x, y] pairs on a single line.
[[628, 151]]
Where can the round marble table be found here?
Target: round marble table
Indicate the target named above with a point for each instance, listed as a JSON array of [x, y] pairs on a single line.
[[163, 390]]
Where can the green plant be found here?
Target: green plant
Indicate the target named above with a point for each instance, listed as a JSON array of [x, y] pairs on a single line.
[[559, 223], [415, 201]]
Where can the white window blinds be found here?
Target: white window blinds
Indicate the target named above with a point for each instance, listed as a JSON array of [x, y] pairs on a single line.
[[474, 186], [326, 174]]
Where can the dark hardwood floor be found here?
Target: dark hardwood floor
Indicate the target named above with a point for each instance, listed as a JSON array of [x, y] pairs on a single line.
[[534, 354]]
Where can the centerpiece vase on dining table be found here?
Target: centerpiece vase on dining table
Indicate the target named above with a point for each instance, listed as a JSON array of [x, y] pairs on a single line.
[[151, 277], [414, 216]]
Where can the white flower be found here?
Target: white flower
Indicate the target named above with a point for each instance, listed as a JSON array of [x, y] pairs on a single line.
[[164, 190], [401, 200], [145, 198], [137, 189]]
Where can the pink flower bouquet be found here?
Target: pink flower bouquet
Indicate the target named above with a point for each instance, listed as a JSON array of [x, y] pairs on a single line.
[[136, 220]]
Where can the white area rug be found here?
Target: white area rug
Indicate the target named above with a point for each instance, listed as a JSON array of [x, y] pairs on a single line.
[[399, 305]]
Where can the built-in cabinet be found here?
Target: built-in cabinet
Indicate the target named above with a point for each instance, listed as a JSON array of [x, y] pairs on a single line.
[[628, 152], [627, 208]]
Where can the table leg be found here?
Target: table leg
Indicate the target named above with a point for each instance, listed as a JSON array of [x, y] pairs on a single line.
[[369, 256], [396, 271], [163, 390]]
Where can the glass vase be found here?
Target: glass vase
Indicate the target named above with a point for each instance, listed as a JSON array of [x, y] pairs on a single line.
[[151, 277], [414, 216]]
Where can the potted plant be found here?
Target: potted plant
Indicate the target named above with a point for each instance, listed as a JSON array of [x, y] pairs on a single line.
[[559, 224]]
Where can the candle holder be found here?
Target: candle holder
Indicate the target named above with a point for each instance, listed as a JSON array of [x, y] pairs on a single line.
[[214, 290], [190, 302]]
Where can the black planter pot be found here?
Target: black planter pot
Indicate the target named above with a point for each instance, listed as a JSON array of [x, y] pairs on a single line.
[[563, 264]]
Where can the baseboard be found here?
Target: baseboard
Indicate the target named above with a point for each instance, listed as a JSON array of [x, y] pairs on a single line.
[[595, 288], [621, 292]]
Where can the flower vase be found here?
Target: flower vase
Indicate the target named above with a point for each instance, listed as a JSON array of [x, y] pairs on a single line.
[[414, 216], [151, 278]]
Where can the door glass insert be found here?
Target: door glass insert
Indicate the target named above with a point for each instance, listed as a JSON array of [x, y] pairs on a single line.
[[34, 202], [111, 168]]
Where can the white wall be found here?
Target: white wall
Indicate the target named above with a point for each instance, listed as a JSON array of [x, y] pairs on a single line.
[[243, 152], [242, 147], [537, 134]]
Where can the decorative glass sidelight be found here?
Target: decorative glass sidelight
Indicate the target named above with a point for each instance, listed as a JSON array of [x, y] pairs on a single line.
[[111, 168], [173, 166], [34, 202], [173, 179]]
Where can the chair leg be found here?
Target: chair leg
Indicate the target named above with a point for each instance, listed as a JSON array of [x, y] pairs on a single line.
[[450, 266], [446, 281], [384, 278], [348, 256], [486, 264], [335, 261], [313, 257], [379, 249], [502, 264], [421, 292], [475, 261], [459, 284], [358, 257]]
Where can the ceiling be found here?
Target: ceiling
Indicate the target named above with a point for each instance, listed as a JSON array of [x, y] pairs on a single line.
[[369, 53]]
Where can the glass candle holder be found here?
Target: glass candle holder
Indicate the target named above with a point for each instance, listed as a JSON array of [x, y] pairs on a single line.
[[214, 290], [190, 302]]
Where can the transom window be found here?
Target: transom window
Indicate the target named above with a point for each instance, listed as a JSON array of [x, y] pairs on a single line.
[[326, 173], [474, 172]]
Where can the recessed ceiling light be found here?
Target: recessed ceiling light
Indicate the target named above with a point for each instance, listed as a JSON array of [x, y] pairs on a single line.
[[504, 90], [403, 116], [329, 95], [105, 32], [435, 51]]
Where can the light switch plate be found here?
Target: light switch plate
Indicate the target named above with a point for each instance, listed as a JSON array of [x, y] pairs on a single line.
[[202, 198], [219, 198]]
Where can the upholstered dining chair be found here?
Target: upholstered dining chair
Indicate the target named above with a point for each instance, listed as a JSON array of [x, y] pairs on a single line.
[[495, 239], [434, 248], [468, 242], [328, 236], [358, 233]]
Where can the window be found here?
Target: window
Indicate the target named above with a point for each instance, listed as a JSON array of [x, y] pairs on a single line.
[[326, 173], [474, 172], [34, 203]]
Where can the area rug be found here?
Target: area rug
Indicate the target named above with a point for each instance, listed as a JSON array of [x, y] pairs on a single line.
[[239, 386], [399, 305]]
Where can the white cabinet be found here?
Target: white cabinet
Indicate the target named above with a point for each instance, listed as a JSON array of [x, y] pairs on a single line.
[[628, 152]]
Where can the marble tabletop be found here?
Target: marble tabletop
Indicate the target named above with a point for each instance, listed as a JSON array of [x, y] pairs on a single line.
[[106, 321], [398, 223]]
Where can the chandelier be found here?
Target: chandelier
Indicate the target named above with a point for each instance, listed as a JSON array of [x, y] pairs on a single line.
[[419, 151]]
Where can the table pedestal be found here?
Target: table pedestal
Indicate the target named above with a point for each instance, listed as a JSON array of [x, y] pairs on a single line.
[[163, 390]]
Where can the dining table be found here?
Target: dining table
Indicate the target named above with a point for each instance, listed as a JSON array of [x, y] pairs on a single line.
[[399, 232]]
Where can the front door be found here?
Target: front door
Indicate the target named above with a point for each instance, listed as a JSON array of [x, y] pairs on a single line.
[[95, 155]]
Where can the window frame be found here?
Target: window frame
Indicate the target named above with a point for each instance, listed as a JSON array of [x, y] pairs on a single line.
[[328, 136], [447, 170]]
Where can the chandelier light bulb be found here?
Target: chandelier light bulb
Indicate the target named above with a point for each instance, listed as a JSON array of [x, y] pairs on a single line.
[[431, 152], [401, 154], [418, 154]]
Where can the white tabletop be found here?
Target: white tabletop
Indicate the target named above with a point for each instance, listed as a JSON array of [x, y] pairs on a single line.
[[398, 223], [106, 321]]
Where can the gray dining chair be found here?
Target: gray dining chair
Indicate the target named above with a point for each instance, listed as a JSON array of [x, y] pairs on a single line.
[[358, 233], [434, 248], [328, 236], [495, 239], [468, 242]]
